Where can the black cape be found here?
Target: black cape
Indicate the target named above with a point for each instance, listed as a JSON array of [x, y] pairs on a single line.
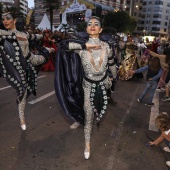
[[68, 81]]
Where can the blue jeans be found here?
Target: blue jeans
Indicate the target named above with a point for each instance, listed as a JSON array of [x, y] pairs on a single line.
[[150, 86], [167, 142]]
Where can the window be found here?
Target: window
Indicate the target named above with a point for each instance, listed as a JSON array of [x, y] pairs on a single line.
[[167, 11], [156, 22], [164, 29], [157, 9], [158, 2], [155, 29], [166, 23], [157, 16]]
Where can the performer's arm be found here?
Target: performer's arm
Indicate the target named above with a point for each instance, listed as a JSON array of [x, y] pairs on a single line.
[[111, 62], [156, 55], [34, 36], [76, 46], [4, 32], [42, 57]]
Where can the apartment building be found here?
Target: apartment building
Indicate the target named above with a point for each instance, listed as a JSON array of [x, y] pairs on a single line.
[[156, 17], [20, 4], [9, 3]]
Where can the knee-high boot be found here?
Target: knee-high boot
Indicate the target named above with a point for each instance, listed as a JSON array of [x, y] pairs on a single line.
[[21, 109]]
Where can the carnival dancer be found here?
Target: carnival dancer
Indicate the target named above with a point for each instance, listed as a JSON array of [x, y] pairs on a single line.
[[17, 63], [81, 78], [130, 61]]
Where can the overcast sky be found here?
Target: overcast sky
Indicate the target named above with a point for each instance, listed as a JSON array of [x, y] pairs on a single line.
[[30, 3]]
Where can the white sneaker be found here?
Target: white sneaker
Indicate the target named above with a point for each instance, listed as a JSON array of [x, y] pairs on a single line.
[[168, 163], [75, 125], [166, 149]]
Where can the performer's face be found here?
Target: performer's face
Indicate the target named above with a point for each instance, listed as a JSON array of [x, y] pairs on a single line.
[[94, 28], [8, 21]]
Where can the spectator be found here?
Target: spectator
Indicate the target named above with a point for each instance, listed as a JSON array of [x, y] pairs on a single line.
[[163, 124], [153, 75]]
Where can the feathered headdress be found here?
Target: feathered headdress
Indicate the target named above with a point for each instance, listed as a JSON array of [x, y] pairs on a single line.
[[11, 11]]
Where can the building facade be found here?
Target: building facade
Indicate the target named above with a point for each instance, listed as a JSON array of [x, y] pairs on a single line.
[[9, 3], [156, 18], [20, 4], [153, 16]]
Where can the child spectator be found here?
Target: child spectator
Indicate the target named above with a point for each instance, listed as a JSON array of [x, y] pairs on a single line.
[[163, 124]]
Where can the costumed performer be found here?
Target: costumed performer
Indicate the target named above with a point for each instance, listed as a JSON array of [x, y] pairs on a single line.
[[130, 60], [81, 78], [17, 63]]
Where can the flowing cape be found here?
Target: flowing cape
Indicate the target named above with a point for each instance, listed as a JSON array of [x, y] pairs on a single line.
[[68, 81]]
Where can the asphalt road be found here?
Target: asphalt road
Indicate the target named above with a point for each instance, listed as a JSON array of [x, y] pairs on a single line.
[[49, 143]]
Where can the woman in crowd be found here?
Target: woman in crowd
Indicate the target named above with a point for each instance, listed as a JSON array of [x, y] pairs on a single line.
[[164, 64], [48, 42], [154, 72], [17, 63], [95, 57]]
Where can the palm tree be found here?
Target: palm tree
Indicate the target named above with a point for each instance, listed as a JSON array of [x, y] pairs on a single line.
[[50, 6]]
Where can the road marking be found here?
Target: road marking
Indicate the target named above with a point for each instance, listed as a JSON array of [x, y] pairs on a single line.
[[154, 112], [119, 132], [41, 76], [3, 88], [42, 98]]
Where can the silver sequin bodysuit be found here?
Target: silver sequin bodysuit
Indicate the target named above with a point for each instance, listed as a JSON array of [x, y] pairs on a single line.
[[95, 65], [23, 87]]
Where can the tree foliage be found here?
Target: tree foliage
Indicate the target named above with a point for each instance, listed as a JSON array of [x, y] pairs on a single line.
[[121, 21], [81, 26]]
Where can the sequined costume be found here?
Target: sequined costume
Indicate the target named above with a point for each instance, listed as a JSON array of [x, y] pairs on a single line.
[[94, 81], [17, 64], [129, 62]]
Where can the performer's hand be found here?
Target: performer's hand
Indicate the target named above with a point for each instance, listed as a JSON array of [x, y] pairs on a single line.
[[90, 47], [151, 143], [52, 50], [132, 71], [21, 38]]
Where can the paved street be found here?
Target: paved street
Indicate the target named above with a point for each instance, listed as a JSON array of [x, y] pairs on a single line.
[[49, 143]]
